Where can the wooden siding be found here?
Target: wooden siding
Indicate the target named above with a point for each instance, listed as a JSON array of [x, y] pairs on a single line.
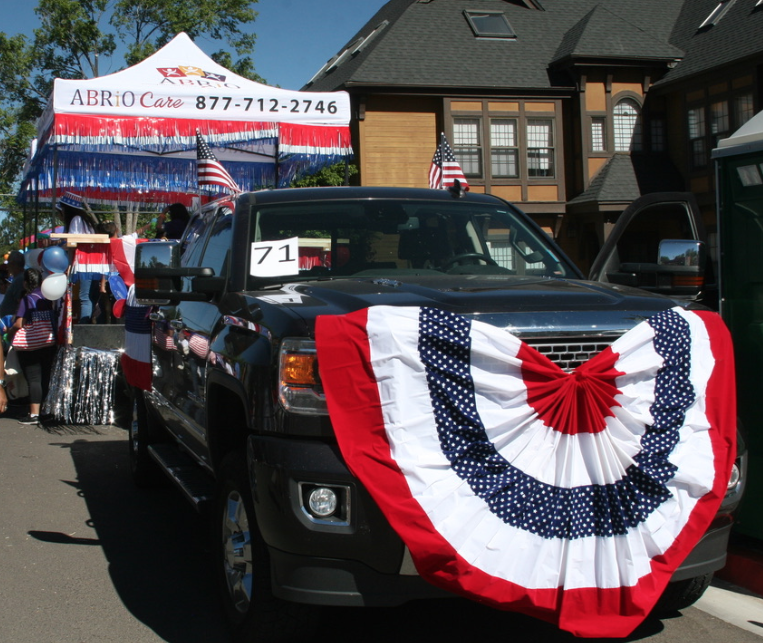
[[458, 106], [397, 147], [595, 97], [594, 165], [542, 192], [744, 81], [511, 193], [503, 107], [539, 107], [636, 88], [700, 184]]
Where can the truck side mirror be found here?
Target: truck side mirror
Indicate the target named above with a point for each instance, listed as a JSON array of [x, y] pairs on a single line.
[[682, 264], [158, 274]]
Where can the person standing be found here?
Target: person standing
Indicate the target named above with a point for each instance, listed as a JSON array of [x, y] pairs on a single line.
[[34, 338], [76, 221], [15, 290], [174, 228], [3, 395]]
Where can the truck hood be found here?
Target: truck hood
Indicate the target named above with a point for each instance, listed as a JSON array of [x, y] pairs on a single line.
[[526, 306]]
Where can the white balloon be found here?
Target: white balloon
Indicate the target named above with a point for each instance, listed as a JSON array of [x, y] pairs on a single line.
[[54, 286]]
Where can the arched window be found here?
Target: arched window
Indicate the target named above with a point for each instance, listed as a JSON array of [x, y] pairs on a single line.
[[627, 125]]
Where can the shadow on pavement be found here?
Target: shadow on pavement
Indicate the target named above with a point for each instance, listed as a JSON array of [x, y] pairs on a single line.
[[158, 562], [154, 544]]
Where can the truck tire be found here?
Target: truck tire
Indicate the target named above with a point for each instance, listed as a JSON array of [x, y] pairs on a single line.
[[242, 566], [681, 594], [144, 470]]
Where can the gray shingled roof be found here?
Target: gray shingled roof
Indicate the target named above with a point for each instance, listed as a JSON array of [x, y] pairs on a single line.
[[430, 44], [602, 34], [626, 177], [737, 36]]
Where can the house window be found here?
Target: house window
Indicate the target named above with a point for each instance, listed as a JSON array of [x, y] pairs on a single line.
[[598, 134], [719, 120], [657, 132], [697, 137], [743, 109], [504, 152], [489, 24], [467, 146], [540, 147], [627, 126]]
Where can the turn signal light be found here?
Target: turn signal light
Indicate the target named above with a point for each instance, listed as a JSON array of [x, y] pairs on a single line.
[[688, 281], [298, 369], [299, 388]]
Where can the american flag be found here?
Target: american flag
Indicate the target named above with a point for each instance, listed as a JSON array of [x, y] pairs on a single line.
[[210, 170], [445, 169], [476, 446]]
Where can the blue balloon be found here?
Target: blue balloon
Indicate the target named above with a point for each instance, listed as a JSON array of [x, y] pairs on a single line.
[[118, 287], [55, 259]]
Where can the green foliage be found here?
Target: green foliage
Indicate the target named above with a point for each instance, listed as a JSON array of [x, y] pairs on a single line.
[[78, 39], [331, 175], [147, 25]]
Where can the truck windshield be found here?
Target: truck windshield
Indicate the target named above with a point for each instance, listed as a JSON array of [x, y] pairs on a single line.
[[398, 238]]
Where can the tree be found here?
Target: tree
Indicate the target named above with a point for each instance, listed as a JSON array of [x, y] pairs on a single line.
[[330, 175], [80, 39]]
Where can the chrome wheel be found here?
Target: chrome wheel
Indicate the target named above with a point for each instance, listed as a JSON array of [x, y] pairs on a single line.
[[237, 552], [243, 566]]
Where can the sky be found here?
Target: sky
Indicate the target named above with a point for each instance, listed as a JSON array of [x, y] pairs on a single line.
[[294, 37]]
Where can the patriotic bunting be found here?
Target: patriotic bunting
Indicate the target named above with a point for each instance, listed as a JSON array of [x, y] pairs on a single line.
[[136, 359], [572, 497]]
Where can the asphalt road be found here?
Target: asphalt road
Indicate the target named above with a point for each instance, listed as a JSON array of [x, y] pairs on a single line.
[[88, 558]]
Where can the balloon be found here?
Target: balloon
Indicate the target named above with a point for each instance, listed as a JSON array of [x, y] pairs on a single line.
[[54, 286], [118, 309], [32, 258], [118, 287], [55, 259]]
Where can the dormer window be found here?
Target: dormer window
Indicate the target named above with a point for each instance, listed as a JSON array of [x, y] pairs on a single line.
[[489, 24], [716, 14]]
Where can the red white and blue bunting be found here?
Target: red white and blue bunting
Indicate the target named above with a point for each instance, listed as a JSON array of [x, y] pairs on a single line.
[[572, 497], [118, 160]]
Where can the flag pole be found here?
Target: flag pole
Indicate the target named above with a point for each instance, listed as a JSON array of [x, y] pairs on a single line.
[[442, 159]]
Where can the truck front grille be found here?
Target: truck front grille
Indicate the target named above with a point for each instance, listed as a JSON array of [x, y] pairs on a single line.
[[568, 354]]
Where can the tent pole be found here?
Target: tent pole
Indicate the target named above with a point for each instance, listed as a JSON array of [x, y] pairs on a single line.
[[54, 192], [276, 168]]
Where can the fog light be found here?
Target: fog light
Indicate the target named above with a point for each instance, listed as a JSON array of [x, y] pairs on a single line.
[[322, 502], [734, 478]]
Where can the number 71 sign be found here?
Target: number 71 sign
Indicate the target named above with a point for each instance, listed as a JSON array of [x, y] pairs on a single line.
[[275, 258]]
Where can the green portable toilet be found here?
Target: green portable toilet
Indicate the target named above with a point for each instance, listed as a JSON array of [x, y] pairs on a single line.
[[739, 173]]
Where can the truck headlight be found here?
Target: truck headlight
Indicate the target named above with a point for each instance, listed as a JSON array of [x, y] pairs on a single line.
[[734, 478], [299, 386]]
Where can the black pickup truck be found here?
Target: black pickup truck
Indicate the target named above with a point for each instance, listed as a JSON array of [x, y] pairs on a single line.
[[250, 440]]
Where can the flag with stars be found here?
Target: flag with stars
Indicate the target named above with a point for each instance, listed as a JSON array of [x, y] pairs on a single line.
[[572, 497], [445, 168], [210, 170]]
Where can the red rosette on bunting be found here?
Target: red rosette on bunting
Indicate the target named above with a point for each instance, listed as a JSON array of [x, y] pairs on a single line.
[[572, 497]]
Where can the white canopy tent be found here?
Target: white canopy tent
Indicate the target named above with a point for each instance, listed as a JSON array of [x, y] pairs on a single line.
[[131, 136]]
